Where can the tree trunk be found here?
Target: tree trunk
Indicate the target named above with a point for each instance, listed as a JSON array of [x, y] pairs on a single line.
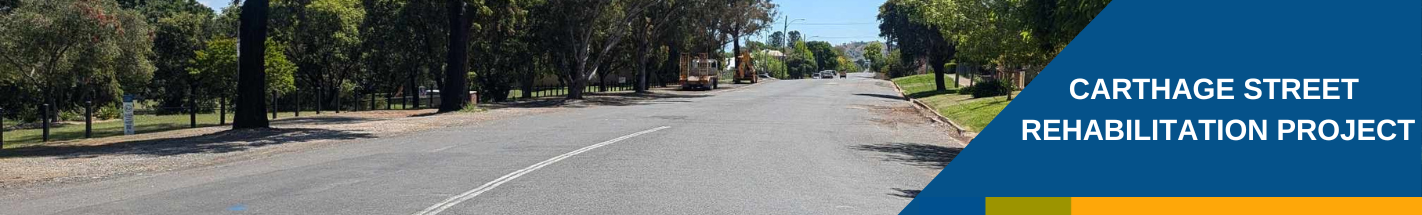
[[414, 97], [252, 79], [956, 73], [455, 89], [937, 64]]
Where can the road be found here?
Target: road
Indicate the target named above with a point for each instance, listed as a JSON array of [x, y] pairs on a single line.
[[841, 146]]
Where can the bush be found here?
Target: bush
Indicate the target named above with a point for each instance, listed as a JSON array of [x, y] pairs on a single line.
[[76, 115], [108, 112], [988, 88]]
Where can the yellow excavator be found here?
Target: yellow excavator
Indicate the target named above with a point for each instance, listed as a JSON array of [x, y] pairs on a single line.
[[745, 69]]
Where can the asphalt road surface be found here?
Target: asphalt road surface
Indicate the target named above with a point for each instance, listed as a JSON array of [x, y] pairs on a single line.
[[783, 147]]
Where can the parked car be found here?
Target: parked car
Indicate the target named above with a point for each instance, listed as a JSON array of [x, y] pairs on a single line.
[[827, 74]]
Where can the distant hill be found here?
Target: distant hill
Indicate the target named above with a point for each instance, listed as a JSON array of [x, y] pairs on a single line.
[[855, 50]]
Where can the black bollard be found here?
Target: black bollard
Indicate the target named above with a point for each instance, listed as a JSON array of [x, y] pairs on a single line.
[[298, 102], [222, 111], [274, 105], [320, 102], [44, 119], [2, 128], [89, 119], [192, 117], [192, 114], [192, 108]]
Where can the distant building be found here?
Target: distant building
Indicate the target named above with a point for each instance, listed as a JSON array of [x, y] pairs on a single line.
[[773, 53]]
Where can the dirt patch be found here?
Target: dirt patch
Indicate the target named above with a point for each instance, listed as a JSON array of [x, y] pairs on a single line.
[[892, 115]]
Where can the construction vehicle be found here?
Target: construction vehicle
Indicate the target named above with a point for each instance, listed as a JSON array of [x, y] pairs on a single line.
[[698, 72], [745, 69]]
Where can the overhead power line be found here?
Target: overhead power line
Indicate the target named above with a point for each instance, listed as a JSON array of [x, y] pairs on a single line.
[[841, 23]]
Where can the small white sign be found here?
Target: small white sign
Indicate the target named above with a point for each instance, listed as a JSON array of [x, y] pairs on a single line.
[[622, 80], [128, 117]]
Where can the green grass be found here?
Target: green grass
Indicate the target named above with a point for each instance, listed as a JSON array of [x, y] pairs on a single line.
[[974, 113], [142, 124]]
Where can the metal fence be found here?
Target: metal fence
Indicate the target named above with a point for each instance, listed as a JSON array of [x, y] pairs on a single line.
[[561, 89]]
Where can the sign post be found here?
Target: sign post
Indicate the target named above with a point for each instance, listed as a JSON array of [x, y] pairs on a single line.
[[127, 114]]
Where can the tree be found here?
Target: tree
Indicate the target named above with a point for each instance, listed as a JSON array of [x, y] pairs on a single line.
[[776, 40], [903, 23], [502, 47], [746, 17], [650, 29], [456, 77], [325, 42], [801, 61], [1004, 33], [794, 38], [179, 28], [585, 33], [874, 53], [755, 46], [63, 52], [251, 79], [824, 55], [215, 67]]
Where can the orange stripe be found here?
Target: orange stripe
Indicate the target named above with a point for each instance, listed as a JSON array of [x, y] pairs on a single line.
[[1245, 205]]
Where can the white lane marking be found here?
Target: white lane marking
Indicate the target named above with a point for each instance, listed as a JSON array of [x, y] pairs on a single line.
[[443, 148], [454, 200]]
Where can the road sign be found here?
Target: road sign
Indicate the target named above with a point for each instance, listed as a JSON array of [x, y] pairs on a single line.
[[127, 114]]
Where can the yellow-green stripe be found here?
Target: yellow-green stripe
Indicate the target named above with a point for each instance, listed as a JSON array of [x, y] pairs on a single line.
[[1028, 206]]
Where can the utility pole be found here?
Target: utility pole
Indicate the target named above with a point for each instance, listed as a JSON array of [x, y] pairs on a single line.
[[786, 30]]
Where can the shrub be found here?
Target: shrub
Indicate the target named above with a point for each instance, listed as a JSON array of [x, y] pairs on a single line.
[[76, 115], [108, 112], [989, 88]]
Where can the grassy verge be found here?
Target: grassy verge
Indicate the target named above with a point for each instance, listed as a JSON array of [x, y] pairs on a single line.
[[974, 113], [142, 124]]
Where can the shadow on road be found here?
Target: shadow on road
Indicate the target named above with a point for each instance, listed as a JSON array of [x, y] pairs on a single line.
[[917, 154], [894, 97], [905, 193], [220, 142]]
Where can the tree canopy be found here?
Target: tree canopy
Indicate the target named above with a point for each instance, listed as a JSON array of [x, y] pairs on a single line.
[[332, 54], [1007, 34]]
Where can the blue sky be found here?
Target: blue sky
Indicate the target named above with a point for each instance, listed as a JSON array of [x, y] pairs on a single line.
[[835, 21], [216, 5]]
